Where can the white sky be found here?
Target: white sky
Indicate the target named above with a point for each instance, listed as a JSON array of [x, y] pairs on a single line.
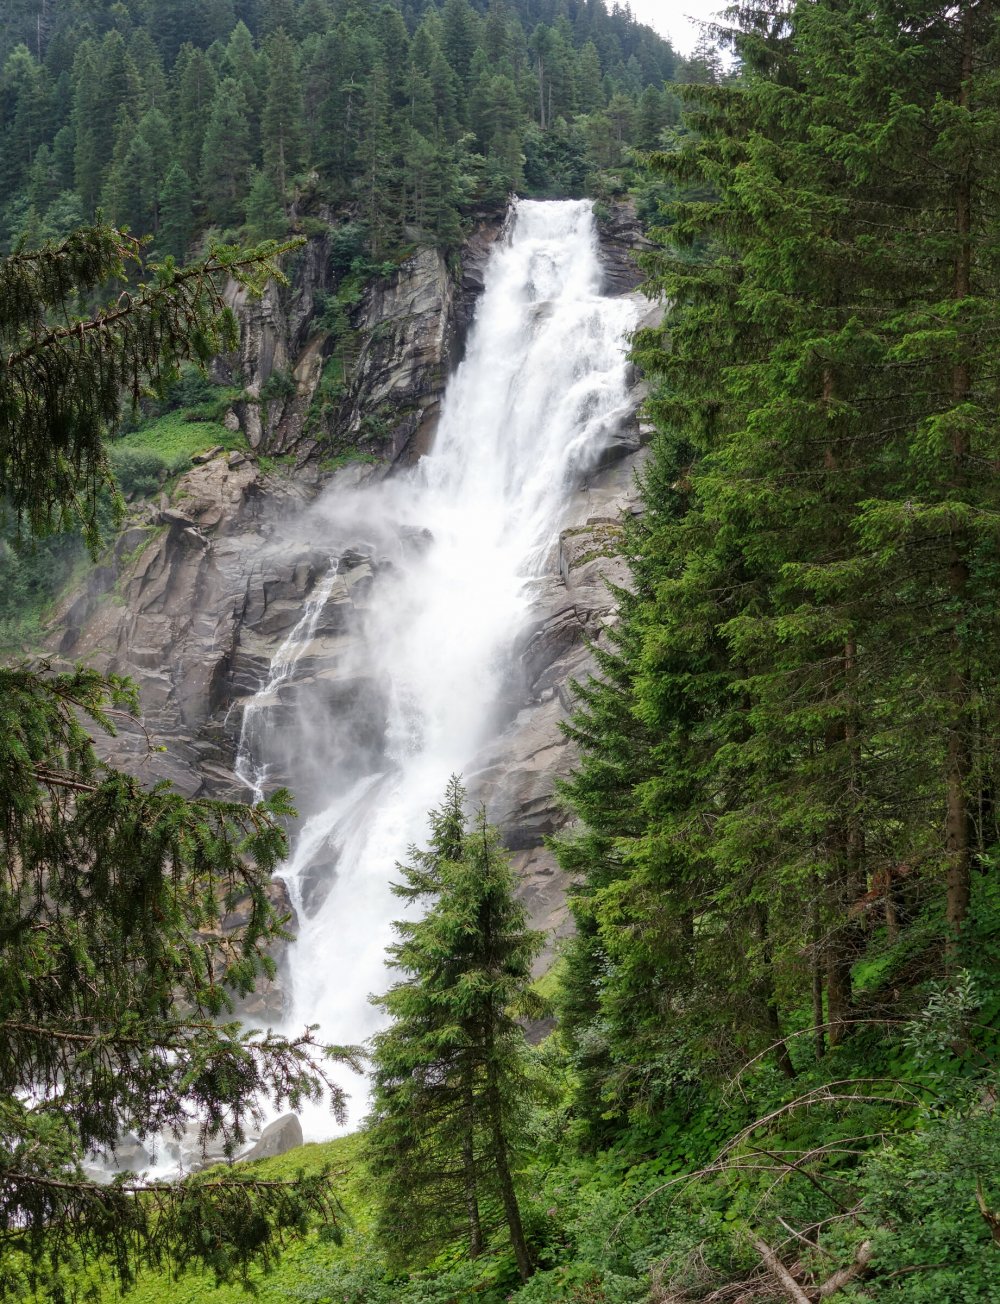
[[671, 18]]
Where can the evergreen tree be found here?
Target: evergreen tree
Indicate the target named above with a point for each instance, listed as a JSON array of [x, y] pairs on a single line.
[[265, 216], [176, 213], [281, 120], [195, 84], [225, 157], [459, 38], [450, 1083], [589, 90], [26, 116], [88, 159], [114, 996], [811, 734]]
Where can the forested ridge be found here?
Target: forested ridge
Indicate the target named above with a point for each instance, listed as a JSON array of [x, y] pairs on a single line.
[[179, 116], [773, 1075]]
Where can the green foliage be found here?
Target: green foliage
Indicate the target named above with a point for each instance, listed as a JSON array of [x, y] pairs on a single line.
[[32, 575], [63, 381], [279, 385], [118, 984], [144, 461], [119, 977], [335, 1163], [169, 117]]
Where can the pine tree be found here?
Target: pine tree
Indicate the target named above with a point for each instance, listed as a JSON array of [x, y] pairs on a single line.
[[115, 999], [281, 120], [450, 1083]]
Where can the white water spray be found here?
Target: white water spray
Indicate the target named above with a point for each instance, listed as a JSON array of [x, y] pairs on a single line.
[[543, 387]]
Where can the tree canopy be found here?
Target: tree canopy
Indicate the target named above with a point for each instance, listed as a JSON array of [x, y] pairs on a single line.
[[416, 113]]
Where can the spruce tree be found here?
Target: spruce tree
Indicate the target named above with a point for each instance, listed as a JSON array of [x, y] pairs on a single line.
[[281, 119], [118, 982], [449, 1079], [195, 84], [265, 216], [825, 388], [225, 156], [176, 213]]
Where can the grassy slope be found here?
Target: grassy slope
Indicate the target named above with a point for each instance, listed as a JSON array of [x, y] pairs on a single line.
[[299, 1261]]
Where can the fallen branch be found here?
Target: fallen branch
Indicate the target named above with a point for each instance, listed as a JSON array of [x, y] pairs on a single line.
[[779, 1272], [862, 1258]]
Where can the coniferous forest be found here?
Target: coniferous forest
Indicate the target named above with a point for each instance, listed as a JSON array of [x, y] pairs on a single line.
[[183, 116], [769, 1068]]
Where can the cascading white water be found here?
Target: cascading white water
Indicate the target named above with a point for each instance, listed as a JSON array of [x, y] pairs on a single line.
[[543, 385]]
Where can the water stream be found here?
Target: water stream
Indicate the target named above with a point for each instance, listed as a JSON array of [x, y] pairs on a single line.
[[542, 388]]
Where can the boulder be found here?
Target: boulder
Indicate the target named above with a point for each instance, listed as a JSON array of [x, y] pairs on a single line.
[[199, 459], [278, 1138]]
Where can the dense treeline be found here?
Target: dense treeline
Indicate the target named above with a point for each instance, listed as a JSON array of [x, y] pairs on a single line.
[[787, 792], [179, 116], [793, 758]]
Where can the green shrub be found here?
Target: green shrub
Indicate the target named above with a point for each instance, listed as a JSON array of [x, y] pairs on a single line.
[[279, 384], [139, 471]]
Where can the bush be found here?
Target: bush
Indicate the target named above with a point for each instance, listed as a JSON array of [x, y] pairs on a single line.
[[280, 384], [139, 471]]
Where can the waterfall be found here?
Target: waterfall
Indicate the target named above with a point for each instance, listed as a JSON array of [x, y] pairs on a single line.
[[251, 765], [542, 388]]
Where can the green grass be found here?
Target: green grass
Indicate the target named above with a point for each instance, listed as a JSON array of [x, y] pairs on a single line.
[[300, 1260], [547, 986], [174, 438], [148, 461]]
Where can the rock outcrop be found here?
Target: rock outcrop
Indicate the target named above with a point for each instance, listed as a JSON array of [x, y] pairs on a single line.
[[621, 239], [203, 590]]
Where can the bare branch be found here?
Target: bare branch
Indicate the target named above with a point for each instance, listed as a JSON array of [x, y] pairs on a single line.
[[779, 1272]]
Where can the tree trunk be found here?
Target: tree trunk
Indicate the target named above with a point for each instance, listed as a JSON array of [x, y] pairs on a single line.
[[771, 1018], [958, 842], [819, 1019], [469, 1169], [500, 1159]]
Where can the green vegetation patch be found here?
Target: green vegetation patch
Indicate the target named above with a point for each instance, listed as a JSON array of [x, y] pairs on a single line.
[[300, 1261], [163, 447]]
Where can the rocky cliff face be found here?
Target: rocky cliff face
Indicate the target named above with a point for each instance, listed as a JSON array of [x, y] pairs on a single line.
[[202, 592]]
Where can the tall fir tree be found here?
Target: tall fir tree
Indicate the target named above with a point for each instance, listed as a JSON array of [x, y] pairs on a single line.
[[281, 119], [450, 1083]]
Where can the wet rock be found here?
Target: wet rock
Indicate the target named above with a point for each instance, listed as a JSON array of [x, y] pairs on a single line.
[[621, 238], [171, 516]]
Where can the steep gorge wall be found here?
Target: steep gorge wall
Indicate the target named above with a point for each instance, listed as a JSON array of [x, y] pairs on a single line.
[[202, 590]]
